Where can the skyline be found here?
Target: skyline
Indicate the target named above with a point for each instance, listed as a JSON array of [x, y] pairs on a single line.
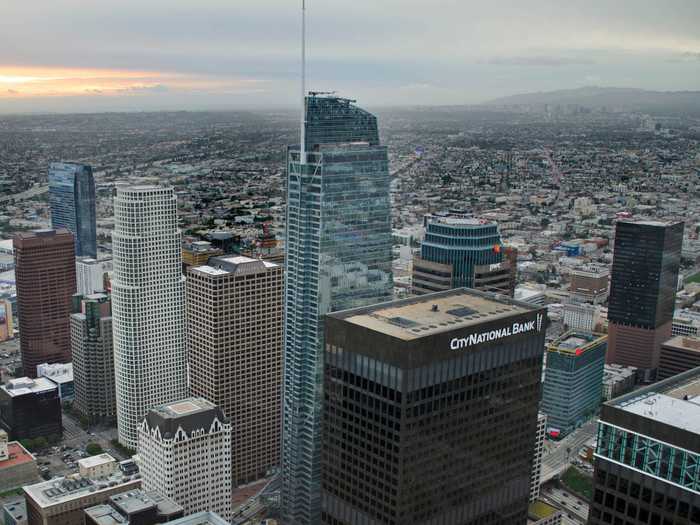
[[215, 56]]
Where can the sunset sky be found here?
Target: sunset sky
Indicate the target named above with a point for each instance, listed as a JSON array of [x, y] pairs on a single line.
[[77, 55]]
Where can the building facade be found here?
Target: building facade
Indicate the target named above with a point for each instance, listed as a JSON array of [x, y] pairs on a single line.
[[430, 410], [234, 336], [536, 479], [147, 305], [30, 408], [678, 355], [93, 357], [643, 291], [184, 453], [72, 203], [338, 245], [647, 455], [6, 323], [460, 251], [61, 375], [92, 275], [589, 284], [573, 380], [45, 273]]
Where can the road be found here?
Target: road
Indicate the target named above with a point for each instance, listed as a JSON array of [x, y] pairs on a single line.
[[574, 508], [32, 192], [557, 459]]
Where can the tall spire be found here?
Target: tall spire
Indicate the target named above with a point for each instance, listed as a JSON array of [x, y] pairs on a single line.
[[302, 151]]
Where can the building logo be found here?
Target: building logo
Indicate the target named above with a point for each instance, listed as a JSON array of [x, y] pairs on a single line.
[[458, 343]]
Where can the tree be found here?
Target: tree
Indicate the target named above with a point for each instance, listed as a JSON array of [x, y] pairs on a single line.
[[27, 443], [93, 449], [40, 443]]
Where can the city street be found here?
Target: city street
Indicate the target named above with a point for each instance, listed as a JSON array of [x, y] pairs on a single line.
[[557, 459], [574, 509]]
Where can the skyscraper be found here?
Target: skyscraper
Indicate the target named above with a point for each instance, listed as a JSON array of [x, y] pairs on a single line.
[[185, 455], [234, 340], [430, 410], [461, 251], [45, 273], [643, 291], [338, 257], [147, 305], [647, 458], [72, 202], [93, 357]]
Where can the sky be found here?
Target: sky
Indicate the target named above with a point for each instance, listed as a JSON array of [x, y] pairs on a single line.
[[113, 55]]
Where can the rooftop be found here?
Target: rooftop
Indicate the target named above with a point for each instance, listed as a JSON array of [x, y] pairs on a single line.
[[685, 342], [56, 372], [138, 500], [427, 315], [24, 385], [105, 515], [190, 414], [674, 401], [61, 490], [650, 222], [540, 510], [94, 461], [576, 343], [17, 508], [200, 518], [234, 264], [17, 455]]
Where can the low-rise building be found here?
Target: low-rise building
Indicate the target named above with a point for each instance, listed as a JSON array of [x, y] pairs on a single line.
[[678, 354], [99, 466], [61, 375], [14, 512], [30, 408], [17, 465], [685, 322], [590, 283], [618, 380], [136, 507]]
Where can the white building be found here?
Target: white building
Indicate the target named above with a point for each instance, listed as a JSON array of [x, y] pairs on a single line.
[[61, 375], [147, 305], [90, 274], [99, 466], [536, 478], [184, 453], [685, 322], [581, 316]]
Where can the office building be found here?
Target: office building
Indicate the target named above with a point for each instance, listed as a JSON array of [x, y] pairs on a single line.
[[647, 455], [430, 410], [234, 340], [582, 317], [45, 272], [92, 275], [685, 322], [17, 465], [135, 507], [533, 295], [338, 244], [573, 380], [461, 251], [147, 305], [15, 512], [618, 380], [93, 357], [642, 292], [203, 518], [6, 325], [589, 284], [30, 408], [678, 355], [184, 453], [536, 477], [197, 253], [72, 203], [62, 500], [61, 375]]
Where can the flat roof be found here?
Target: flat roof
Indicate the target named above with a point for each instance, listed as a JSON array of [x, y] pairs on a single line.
[[24, 385], [139, 500], [427, 315], [62, 489], [674, 401], [94, 461], [18, 455], [200, 518], [650, 222], [105, 515], [576, 343], [16, 508], [233, 264], [685, 342]]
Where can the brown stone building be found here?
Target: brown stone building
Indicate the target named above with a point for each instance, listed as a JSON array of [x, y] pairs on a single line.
[[234, 330], [678, 355], [45, 272]]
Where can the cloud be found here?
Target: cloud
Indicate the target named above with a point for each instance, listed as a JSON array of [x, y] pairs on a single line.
[[13, 92], [541, 61], [137, 89]]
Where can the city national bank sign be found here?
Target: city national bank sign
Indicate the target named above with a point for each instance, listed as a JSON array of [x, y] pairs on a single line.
[[494, 335]]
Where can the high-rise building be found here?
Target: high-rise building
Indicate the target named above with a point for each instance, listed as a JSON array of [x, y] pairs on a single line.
[[430, 410], [6, 324], [461, 251], [589, 284], [678, 354], [647, 455], [30, 408], [643, 291], [93, 274], [184, 453], [93, 357], [45, 273], [72, 202], [537, 456], [338, 245], [234, 340], [573, 380], [147, 305]]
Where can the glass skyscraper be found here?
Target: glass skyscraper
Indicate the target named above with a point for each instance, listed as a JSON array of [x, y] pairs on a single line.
[[338, 257], [72, 202]]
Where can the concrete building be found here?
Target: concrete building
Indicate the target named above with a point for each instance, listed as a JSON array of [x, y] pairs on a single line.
[[573, 380], [147, 305], [234, 331], [685, 322], [14, 512], [99, 466], [92, 275], [536, 478], [6, 323], [184, 453], [17, 465], [61, 375], [618, 380], [197, 253], [589, 284], [61, 501], [643, 291], [93, 357], [45, 271], [647, 454], [581, 316], [201, 518], [135, 507], [531, 295], [679, 354], [30, 408], [430, 410]]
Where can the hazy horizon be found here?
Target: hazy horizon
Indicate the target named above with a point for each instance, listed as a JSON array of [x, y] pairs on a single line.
[[68, 56]]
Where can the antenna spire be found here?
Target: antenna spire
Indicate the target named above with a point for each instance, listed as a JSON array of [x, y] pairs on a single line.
[[302, 150]]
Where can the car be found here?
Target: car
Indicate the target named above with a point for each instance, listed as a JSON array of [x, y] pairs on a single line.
[[565, 494]]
